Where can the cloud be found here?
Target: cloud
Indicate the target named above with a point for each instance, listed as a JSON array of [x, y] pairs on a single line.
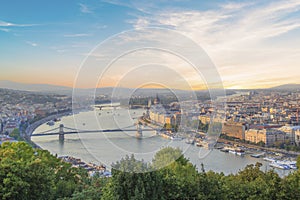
[[235, 5], [84, 8], [78, 35], [118, 3], [4, 29], [9, 24], [239, 37], [32, 43]]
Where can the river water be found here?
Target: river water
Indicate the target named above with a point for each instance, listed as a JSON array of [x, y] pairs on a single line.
[[107, 148]]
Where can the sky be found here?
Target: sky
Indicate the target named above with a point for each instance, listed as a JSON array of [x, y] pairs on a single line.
[[252, 44]]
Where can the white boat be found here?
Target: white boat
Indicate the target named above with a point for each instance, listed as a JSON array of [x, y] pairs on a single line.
[[279, 166], [293, 166], [238, 152], [286, 162], [198, 144], [189, 141], [269, 159], [176, 138], [290, 164], [51, 123], [257, 155], [232, 151]]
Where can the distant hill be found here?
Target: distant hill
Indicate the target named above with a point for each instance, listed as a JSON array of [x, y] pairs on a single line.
[[287, 87], [35, 87], [110, 91]]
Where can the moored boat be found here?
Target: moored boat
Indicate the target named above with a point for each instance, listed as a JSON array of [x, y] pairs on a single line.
[[57, 120], [269, 159], [290, 164], [189, 141], [50, 123], [176, 138], [279, 166], [257, 155], [199, 144], [224, 150], [238, 152]]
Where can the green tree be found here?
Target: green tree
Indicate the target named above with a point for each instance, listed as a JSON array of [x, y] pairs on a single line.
[[178, 174], [210, 185], [27, 173], [252, 183], [132, 179], [16, 134], [290, 186], [298, 162], [93, 190]]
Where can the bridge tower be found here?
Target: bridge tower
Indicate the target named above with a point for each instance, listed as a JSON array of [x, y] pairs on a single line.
[[61, 134], [139, 133]]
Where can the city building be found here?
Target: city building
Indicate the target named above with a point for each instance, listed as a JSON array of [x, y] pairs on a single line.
[[269, 137], [234, 129]]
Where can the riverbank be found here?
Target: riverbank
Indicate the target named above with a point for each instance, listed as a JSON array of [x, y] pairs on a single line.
[[31, 127], [221, 141], [91, 168], [251, 146]]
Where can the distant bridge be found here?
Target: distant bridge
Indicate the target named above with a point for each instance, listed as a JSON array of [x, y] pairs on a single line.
[[106, 106], [60, 131]]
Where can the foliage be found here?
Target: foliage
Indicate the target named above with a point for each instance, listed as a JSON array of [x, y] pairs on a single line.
[[27, 173], [16, 134], [132, 179], [179, 176]]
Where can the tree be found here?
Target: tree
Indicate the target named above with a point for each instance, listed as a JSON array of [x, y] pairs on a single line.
[[93, 190], [27, 173], [290, 186], [132, 179], [166, 156], [16, 134], [252, 183], [178, 174], [298, 162]]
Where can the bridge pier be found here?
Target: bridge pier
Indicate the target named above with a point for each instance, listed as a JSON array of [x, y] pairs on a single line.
[[61, 134], [139, 133]]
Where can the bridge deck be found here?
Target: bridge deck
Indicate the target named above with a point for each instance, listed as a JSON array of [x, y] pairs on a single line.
[[91, 131]]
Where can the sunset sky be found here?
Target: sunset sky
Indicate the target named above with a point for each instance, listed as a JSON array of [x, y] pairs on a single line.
[[253, 44]]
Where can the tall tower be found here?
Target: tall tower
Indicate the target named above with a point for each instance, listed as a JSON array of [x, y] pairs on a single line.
[[156, 100], [149, 103]]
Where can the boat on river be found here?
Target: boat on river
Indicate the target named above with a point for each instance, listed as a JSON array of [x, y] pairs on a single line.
[[176, 138], [239, 152], [269, 159], [290, 164], [225, 150], [50, 123], [279, 166], [257, 155], [190, 141], [56, 119]]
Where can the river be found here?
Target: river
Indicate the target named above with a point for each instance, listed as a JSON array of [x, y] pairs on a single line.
[[110, 147]]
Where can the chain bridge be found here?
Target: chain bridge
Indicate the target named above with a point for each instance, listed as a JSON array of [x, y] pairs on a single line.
[[61, 131]]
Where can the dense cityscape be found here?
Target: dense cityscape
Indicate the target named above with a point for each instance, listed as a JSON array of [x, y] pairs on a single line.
[[266, 118], [149, 100]]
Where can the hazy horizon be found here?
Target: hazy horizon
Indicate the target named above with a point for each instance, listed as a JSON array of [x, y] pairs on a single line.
[[70, 87]]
